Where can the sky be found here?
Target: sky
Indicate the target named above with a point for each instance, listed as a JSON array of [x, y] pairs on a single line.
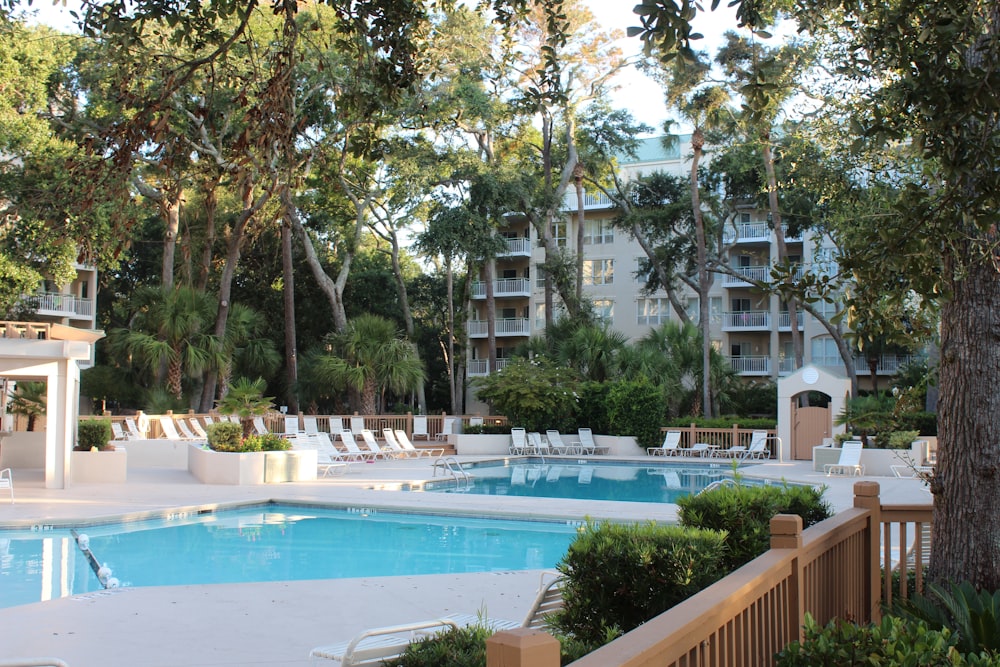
[[637, 93]]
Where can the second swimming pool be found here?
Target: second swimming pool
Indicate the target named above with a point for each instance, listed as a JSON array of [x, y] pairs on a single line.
[[269, 543], [588, 479]]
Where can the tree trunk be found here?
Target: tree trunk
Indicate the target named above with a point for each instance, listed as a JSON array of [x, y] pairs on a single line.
[[170, 206], [704, 277], [580, 219], [449, 275], [211, 205], [965, 542], [404, 304], [288, 294]]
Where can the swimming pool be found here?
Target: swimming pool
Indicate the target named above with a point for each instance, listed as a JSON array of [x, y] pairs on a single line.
[[627, 481], [270, 543]]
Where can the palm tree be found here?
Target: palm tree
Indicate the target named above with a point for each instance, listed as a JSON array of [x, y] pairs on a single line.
[[171, 327], [28, 399], [246, 400], [592, 350], [370, 357]]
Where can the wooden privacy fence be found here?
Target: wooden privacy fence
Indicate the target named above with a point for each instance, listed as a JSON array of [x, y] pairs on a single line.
[[830, 570]]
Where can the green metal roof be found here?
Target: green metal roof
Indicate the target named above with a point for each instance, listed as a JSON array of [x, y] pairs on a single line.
[[651, 149]]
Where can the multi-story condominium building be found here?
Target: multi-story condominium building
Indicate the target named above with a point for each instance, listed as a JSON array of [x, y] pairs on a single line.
[[751, 328]]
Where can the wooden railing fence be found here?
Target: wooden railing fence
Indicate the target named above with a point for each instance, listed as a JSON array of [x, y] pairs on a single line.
[[830, 570]]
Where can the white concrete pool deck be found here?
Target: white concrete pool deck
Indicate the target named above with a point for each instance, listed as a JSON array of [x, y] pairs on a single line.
[[276, 624]]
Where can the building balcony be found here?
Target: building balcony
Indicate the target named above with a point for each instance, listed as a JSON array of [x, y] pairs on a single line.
[[751, 365], [747, 232], [481, 367], [888, 364], [517, 248], [515, 326], [749, 273], [785, 320], [591, 201], [53, 304], [747, 320], [507, 287]]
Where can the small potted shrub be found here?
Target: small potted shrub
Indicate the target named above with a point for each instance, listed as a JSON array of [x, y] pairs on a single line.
[[94, 435]]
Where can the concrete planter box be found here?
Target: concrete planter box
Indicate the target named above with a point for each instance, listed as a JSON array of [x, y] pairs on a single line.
[[210, 467], [618, 445], [877, 462], [23, 449], [98, 467], [156, 453]]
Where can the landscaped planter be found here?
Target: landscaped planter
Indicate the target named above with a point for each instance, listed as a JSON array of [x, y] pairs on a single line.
[[245, 468], [105, 467], [23, 449], [877, 462], [156, 453]]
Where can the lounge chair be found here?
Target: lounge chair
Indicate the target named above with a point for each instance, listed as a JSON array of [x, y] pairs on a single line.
[[351, 445], [420, 451], [849, 462], [536, 445], [420, 428], [357, 425], [670, 447], [7, 482], [557, 446], [185, 430], [311, 431], [259, 427], [133, 430], [758, 446], [587, 444], [447, 428], [170, 430], [368, 438], [118, 432], [518, 441], [700, 449], [373, 647], [395, 446], [197, 429]]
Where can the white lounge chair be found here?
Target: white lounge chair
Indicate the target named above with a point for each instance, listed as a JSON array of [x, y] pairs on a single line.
[[420, 451], [700, 449], [350, 444], [395, 446], [420, 427], [132, 430], [557, 446], [312, 432], [291, 427], [185, 430], [758, 446], [849, 462], [536, 444], [259, 427], [670, 447], [197, 429], [117, 432], [587, 444], [7, 482], [377, 645], [357, 425], [447, 428], [170, 430], [371, 442], [518, 441]]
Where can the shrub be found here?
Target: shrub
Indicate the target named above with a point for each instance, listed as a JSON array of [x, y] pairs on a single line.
[[592, 407], [974, 616], [901, 439], [894, 641], [619, 576], [925, 423], [745, 513], [225, 437], [462, 647], [92, 433], [266, 442], [635, 407], [534, 393]]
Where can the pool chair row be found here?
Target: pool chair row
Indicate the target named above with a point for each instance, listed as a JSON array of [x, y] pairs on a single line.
[[757, 449], [174, 428], [375, 646], [533, 444]]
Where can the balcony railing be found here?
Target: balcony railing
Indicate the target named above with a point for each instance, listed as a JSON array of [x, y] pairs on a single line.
[[785, 320], [748, 232], [888, 364], [595, 200], [751, 365], [515, 326], [59, 305], [517, 248], [481, 367], [748, 273], [506, 287], [746, 320]]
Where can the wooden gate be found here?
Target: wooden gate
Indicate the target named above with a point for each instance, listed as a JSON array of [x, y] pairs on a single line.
[[809, 427]]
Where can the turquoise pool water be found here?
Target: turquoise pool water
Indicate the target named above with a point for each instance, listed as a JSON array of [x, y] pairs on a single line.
[[270, 543], [589, 480]]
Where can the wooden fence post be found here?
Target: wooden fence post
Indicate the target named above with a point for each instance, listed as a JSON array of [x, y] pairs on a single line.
[[866, 496], [786, 533], [522, 647]]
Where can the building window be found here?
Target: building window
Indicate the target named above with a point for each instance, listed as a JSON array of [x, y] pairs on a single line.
[[652, 311], [598, 231], [715, 310], [540, 278], [559, 233], [824, 352], [604, 310], [598, 271], [540, 315]]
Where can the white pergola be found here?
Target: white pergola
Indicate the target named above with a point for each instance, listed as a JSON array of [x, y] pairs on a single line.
[[50, 353]]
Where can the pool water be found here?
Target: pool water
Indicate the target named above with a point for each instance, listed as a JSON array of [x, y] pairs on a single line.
[[272, 543], [586, 480]]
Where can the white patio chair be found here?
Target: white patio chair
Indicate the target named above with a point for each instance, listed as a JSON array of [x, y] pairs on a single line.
[[420, 427], [7, 482]]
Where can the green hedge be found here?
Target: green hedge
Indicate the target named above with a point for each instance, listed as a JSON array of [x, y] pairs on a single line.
[[619, 576], [464, 647], [92, 433], [745, 513], [635, 408], [225, 437], [267, 442]]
